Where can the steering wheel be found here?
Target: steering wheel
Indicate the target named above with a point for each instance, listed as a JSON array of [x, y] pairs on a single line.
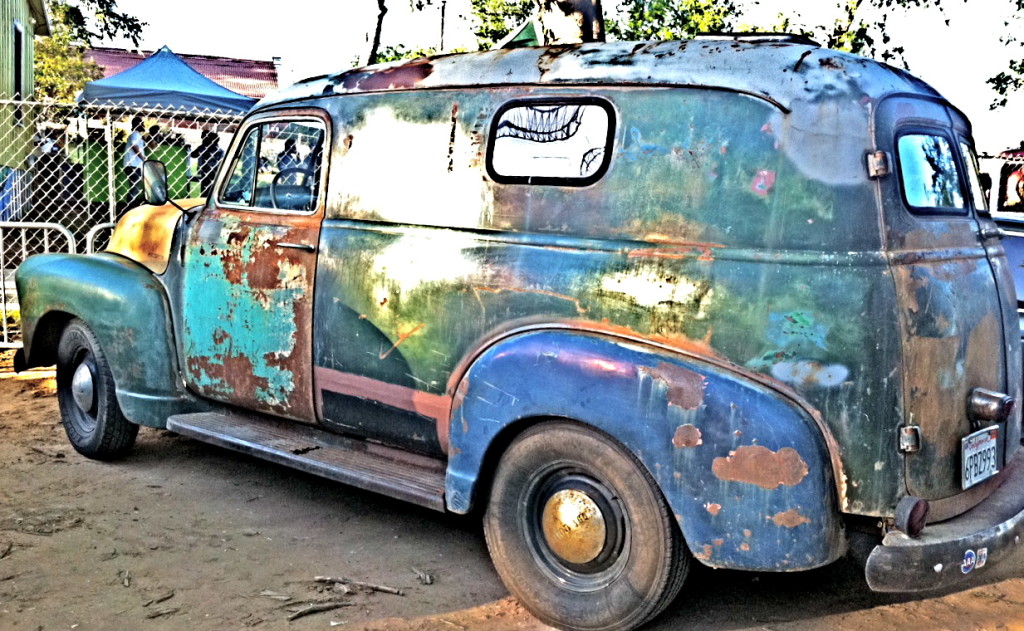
[[283, 175]]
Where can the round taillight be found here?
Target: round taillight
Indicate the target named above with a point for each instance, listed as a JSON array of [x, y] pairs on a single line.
[[912, 515]]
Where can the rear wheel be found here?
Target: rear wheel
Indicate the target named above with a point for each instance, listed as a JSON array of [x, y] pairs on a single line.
[[85, 392], [580, 533]]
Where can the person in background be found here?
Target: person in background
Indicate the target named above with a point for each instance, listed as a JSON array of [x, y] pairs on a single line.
[[153, 139], [208, 156], [134, 156], [289, 158]]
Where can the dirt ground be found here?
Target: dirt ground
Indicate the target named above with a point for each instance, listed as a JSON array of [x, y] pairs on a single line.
[[186, 536]]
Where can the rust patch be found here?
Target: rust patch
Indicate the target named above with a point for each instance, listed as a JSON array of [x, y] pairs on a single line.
[[790, 519], [745, 547], [497, 290], [748, 534], [401, 338], [700, 251], [435, 406], [685, 387], [405, 76], [451, 139], [705, 555], [761, 466], [687, 436], [144, 234], [718, 542], [714, 509]]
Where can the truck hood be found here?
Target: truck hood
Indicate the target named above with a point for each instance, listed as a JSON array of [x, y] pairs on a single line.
[[144, 234]]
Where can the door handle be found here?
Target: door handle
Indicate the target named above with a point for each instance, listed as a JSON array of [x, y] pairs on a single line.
[[990, 233], [296, 246]]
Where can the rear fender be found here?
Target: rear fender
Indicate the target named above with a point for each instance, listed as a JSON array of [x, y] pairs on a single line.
[[745, 469], [127, 309]]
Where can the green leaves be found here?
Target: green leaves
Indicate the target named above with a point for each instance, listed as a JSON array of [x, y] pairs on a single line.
[[91, 20], [61, 70], [670, 19], [496, 18]]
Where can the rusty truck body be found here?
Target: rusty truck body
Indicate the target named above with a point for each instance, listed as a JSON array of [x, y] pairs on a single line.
[[730, 301]]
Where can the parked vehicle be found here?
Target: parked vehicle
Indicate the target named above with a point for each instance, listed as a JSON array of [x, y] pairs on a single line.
[[731, 301]]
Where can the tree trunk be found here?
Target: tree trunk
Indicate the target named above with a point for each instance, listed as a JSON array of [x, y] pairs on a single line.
[[572, 21], [375, 45]]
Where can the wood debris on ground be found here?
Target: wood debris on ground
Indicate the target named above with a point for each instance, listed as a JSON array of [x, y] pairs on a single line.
[[318, 607], [373, 587], [426, 578], [275, 595]]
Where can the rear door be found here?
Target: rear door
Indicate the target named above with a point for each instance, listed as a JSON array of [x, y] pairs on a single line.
[[1004, 254], [950, 311]]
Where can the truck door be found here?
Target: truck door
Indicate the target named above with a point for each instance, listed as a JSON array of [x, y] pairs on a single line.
[[950, 306], [249, 266]]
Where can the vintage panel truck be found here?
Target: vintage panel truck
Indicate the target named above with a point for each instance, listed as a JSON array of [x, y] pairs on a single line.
[[733, 301]]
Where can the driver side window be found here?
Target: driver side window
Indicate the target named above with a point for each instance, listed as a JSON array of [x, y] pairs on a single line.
[[277, 166]]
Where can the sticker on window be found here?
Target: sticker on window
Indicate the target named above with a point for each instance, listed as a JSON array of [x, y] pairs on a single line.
[[551, 142]]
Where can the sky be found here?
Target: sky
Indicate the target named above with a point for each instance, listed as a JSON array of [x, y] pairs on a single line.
[[319, 36]]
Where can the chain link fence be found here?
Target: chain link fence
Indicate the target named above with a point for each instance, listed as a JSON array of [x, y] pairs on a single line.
[[63, 180]]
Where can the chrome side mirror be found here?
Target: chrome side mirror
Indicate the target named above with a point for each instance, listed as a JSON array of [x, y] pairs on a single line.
[[154, 182]]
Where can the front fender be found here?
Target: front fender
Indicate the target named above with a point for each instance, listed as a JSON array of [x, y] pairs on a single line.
[[745, 470], [127, 309]]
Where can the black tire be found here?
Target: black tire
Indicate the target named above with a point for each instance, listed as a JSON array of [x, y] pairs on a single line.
[[616, 574], [91, 416]]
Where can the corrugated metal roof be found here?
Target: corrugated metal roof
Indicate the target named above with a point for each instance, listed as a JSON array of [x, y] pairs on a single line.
[[250, 77], [779, 71]]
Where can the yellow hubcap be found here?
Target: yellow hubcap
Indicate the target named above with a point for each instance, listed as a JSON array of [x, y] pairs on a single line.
[[573, 526]]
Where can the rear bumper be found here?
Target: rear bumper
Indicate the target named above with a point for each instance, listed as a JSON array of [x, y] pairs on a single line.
[[955, 551]]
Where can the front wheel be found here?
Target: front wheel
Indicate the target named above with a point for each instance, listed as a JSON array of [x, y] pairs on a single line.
[[580, 533], [85, 392]]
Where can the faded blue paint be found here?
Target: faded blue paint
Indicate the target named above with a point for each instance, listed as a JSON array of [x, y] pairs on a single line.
[[796, 328], [626, 390], [234, 320]]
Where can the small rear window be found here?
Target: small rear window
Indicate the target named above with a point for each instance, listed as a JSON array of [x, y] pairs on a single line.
[[563, 142], [931, 180]]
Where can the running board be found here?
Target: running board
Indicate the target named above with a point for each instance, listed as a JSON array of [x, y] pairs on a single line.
[[385, 470]]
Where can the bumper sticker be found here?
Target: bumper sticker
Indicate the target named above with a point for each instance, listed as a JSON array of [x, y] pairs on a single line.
[[970, 561]]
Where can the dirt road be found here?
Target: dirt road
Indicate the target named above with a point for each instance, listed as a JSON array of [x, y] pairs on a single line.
[[185, 536]]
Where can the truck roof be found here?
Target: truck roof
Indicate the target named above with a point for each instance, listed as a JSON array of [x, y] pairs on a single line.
[[779, 70]]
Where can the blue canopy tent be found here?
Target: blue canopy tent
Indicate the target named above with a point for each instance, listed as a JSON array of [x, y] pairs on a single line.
[[163, 80]]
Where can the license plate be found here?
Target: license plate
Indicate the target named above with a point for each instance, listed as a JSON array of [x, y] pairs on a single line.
[[979, 456]]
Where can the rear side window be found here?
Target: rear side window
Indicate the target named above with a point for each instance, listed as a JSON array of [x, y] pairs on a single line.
[[563, 142], [928, 171]]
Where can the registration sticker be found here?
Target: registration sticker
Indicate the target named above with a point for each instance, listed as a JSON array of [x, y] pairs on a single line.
[[979, 456]]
